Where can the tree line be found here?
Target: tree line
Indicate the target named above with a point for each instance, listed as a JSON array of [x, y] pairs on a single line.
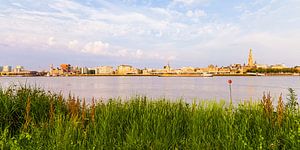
[[271, 70]]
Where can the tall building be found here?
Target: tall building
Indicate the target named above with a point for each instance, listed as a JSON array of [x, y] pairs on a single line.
[[84, 70], [250, 59], [7, 69], [19, 69]]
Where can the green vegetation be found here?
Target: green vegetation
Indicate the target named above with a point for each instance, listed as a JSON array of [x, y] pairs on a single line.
[[292, 103], [270, 70], [32, 118]]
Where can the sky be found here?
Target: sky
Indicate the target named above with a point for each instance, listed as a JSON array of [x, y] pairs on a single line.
[[148, 33]]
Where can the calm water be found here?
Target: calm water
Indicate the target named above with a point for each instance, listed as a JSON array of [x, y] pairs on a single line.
[[188, 88]]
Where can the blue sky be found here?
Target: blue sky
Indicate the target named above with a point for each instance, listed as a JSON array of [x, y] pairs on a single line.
[[148, 33]]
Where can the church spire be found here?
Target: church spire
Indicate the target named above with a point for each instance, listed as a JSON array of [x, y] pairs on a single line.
[[250, 59]]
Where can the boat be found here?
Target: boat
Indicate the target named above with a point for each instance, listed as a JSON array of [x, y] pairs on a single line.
[[256, 74], [184, 75], [207, 75]]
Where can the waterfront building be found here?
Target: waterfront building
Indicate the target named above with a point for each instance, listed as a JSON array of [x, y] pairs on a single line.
[[139, 71], [236, 69], [147, 71], [262, 66], [167, 68], [50, 71], [84, 70], [104, 70], [19, 69], [224, 70], [177, 71], [187, 70], [297, 68], [235, 66], [278, 66], [75, 70], [7, 69], [1, 68], [56, 72], [126, 69], [199, 70], [212, 69], [91, 71], [65, 67], [158, 71]]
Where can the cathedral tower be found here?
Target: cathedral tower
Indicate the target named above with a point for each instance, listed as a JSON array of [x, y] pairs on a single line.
[[250, 59]]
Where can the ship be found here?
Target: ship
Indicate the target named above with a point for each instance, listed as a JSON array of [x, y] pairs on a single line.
[[256, 74], [185, 75]]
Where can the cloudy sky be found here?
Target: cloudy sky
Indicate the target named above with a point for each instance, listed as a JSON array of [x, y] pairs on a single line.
[[148, 33]]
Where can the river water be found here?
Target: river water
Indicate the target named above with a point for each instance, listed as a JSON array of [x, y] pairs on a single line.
[[173, 88]]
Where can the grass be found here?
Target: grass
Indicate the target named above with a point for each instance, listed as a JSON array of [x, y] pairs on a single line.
[[31, 118]]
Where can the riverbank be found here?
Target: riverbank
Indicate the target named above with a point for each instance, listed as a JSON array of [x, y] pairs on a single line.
[[151, 75], [35, 119]]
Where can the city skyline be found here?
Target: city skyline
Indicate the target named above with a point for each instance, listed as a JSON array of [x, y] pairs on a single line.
[[251, 68], [148, 33], [235, 67]]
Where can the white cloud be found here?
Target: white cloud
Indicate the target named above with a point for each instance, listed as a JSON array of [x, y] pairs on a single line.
[[121, 53], [105, 49], [188, 2], [16, 4], [138, 54], [51, 41], [151, 33], [191, 2], [73, 44], [98, 47], [196, 13]]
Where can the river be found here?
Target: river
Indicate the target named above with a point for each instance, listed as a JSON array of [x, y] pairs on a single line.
[[173, 88]]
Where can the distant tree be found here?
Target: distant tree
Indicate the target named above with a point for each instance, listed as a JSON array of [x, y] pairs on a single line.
[[270, 70]]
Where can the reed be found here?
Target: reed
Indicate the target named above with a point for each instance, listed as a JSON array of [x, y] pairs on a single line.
[[27, 115], [142, 123], [93, 111], [268, 105], [51, 112], [83, 113], [280, 110]]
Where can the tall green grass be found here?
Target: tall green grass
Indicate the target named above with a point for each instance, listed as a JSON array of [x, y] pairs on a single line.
[[31, 118]]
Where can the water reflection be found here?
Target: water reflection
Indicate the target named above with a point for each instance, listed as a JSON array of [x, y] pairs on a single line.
[[243, 88]]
